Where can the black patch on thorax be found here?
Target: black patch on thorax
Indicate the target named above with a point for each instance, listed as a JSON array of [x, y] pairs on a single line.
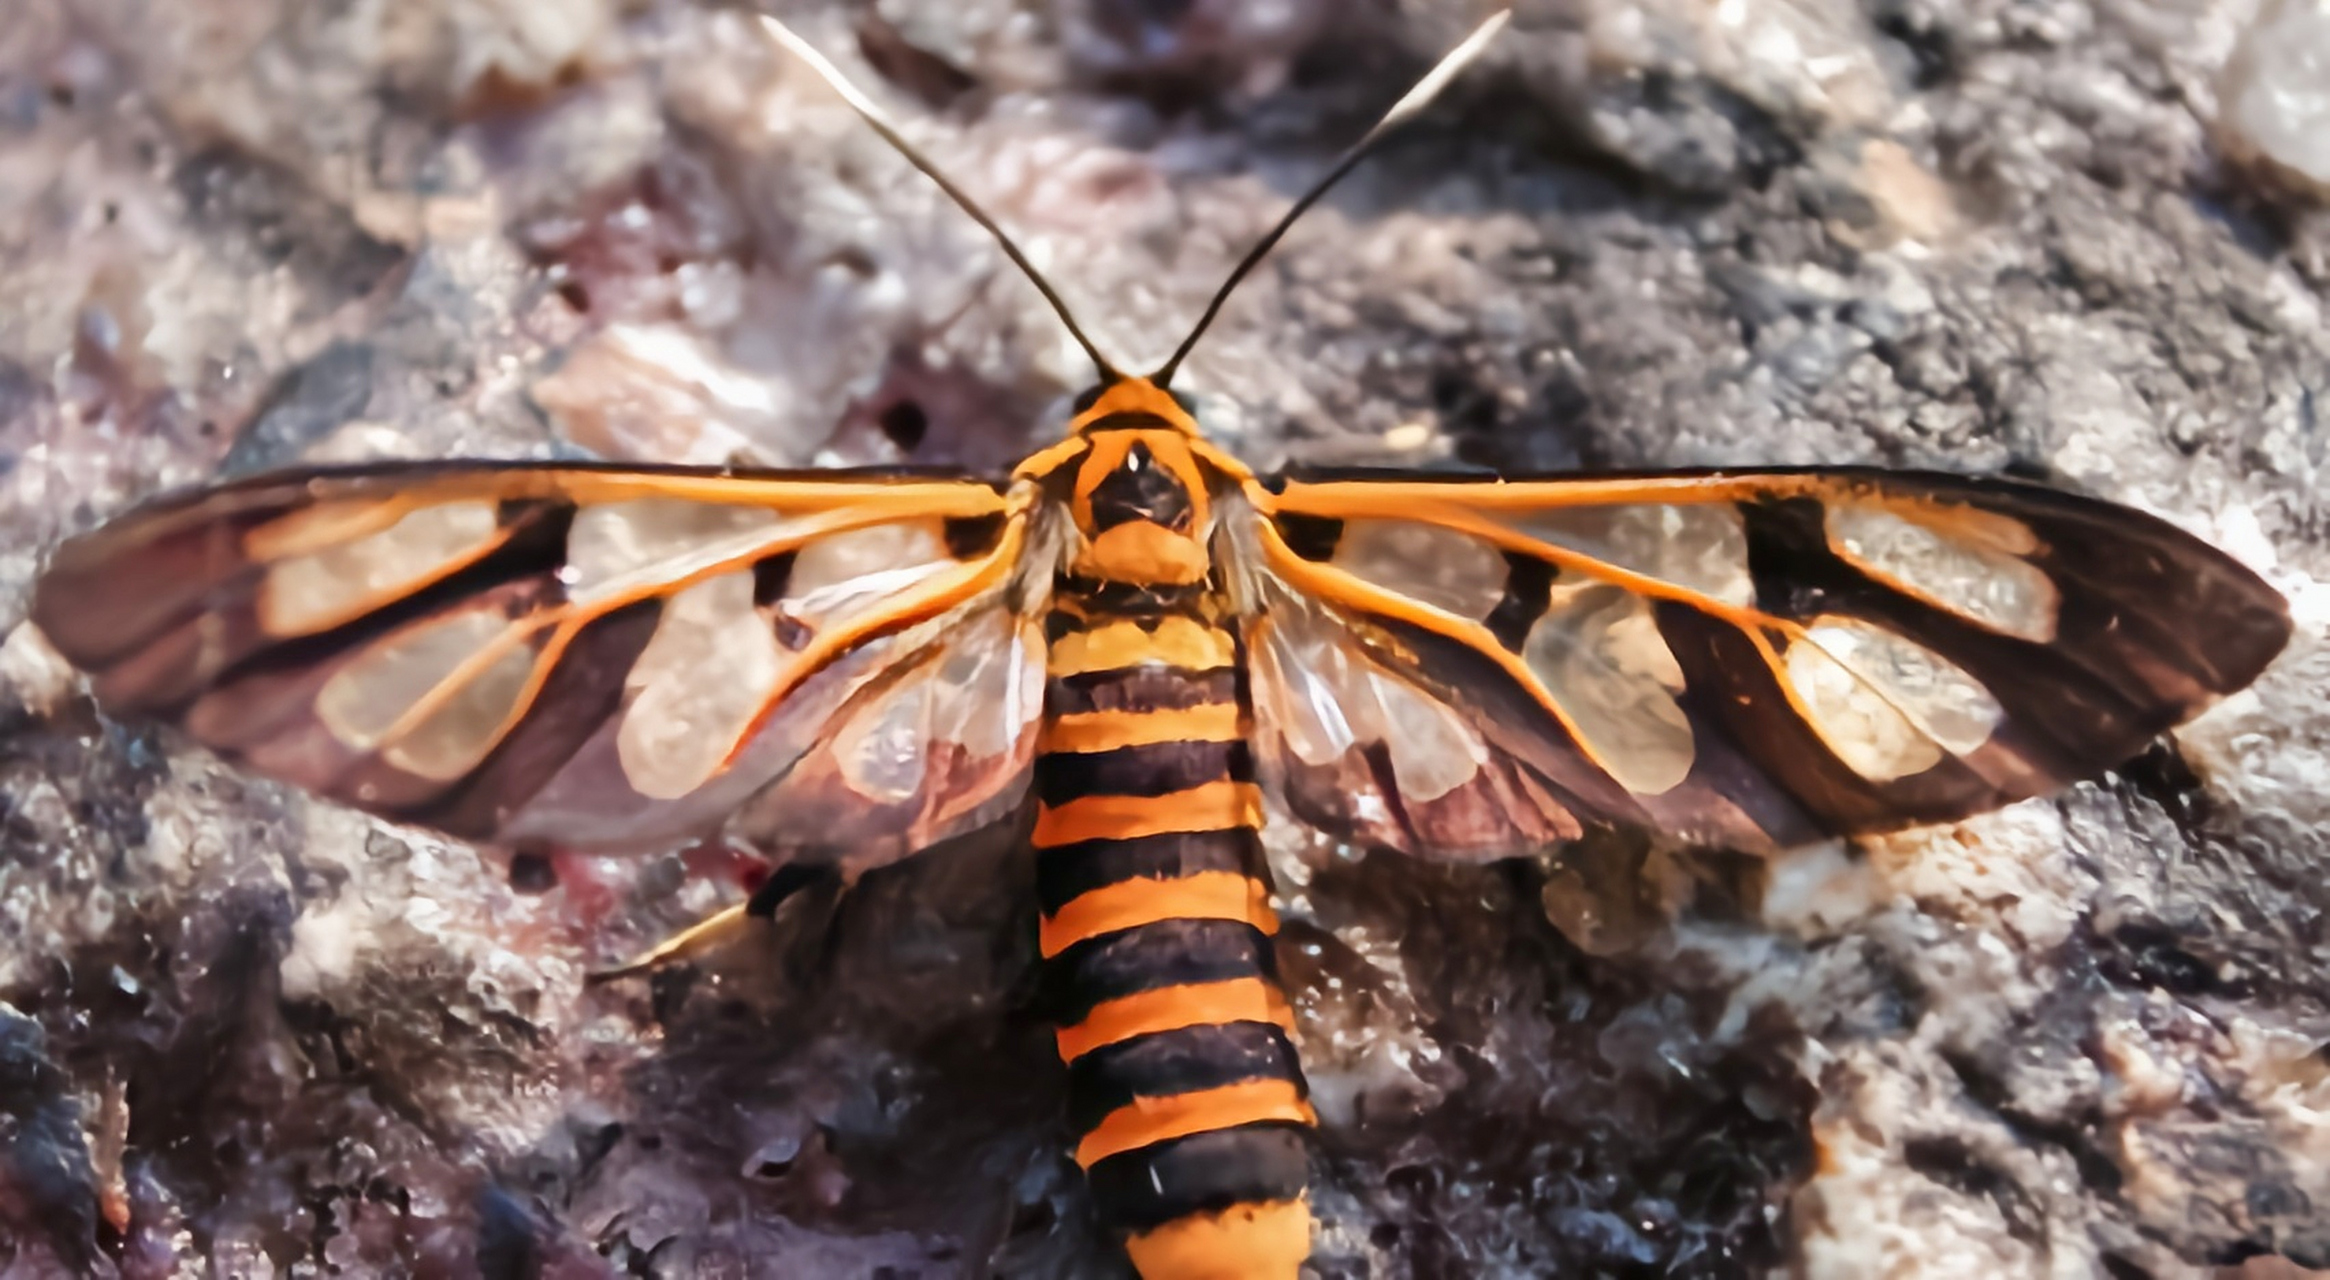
[[1139, 489]]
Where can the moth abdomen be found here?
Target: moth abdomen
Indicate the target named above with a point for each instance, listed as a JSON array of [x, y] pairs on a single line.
[[1186, 1093]]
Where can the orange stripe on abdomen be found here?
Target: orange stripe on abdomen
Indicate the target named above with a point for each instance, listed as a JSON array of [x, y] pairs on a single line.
[[1108, 644], [1093, 731], [1213, 806], [1147, 1013], [1267, 1240], [1149, 1121], [1129, 904]]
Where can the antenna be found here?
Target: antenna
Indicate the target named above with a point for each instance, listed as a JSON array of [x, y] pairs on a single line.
[[873, 116], [1401, 112]]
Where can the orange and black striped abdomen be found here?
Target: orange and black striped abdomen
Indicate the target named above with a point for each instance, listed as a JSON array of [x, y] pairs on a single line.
[[1185, 1092]]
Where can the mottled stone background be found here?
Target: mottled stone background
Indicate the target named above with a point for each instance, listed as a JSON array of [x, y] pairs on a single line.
[[248, 1035]]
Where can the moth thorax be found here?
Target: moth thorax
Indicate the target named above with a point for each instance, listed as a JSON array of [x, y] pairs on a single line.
[[1142, 510]]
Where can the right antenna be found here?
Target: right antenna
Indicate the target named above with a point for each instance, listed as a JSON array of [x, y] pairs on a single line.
[[1401, 112]]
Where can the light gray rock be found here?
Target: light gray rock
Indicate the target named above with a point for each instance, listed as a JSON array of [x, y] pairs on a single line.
[[2274, 100], [2079, 1038]]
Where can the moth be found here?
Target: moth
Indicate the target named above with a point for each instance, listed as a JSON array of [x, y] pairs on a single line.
[[1141, 634]]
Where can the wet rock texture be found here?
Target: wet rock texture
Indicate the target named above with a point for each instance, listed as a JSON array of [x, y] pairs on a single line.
[[248, 1034]]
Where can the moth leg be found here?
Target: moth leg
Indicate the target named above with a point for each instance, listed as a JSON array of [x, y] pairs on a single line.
[[722, 927], [692, 943], [783, 883]]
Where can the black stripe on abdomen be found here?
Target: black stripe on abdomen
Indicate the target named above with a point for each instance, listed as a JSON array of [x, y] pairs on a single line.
[[1169, 953], [1150, 688], [1067, 872], [1203, 1173], [1153, 769], [1185, 1060]]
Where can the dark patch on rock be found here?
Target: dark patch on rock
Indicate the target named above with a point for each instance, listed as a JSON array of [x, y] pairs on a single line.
[[307, 403], [284, 220], [1952, 1163], [48, 1189]]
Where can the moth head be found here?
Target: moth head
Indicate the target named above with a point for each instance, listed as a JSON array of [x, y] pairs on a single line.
[[1129, 402]]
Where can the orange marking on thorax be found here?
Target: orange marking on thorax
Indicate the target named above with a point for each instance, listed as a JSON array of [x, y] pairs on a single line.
[[1127, 904], [1168, 449], [1215, 806], [1145, 553], [1203, 1004], [1043, 462], [1086, 731], [1145, 1121], [1242, 1242]]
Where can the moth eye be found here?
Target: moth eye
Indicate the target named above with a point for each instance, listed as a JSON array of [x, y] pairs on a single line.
[[1089, 397], [1188, 403]]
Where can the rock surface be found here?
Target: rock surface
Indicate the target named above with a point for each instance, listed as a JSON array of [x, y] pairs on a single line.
[[2080, 1038]]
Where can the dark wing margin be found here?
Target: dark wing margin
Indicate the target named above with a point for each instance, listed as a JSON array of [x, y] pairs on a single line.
[[1750, 659], [586, 655]]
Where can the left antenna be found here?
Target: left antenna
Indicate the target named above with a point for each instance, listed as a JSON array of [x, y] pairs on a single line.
[[1406, 109], [881, 123]]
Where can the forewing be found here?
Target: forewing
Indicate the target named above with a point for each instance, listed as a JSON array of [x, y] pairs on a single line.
[[579, 654], [1750, 659]]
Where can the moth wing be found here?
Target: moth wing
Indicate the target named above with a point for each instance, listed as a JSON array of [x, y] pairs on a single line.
[[586, 655], [940, 742], [1359, 743], [1748, 659]]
